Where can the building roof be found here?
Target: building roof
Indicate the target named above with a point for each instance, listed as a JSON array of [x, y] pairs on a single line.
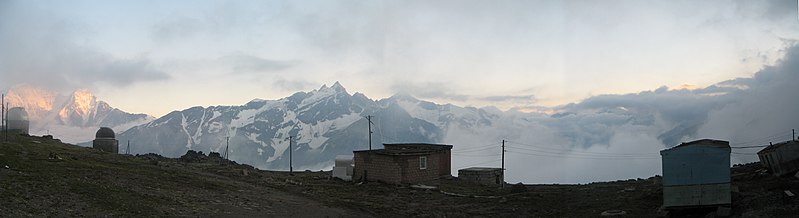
[[105, 132], [481, 169], [703, 142], [409, 149], [773, 147]]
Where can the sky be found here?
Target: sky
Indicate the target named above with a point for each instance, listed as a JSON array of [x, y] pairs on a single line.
[[158, 56]]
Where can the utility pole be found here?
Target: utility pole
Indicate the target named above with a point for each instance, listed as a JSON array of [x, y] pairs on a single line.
[[503, 163], [291, 166], [3, 114], [793, 134], [127, 151], [227, 145], [369, 118]]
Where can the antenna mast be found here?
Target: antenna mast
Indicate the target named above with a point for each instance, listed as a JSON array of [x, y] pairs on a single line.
[[503, 163], [369, 118]]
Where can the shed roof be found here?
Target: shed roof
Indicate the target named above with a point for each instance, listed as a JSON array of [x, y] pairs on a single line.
[[481, 169], [775, 146], [409, 149], [702, 142]]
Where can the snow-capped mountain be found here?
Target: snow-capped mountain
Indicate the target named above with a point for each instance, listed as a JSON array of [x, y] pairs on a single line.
[[323, 123], [74, 117]]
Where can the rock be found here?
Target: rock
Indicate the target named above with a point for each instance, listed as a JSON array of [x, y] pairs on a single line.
[[613, 213], [723, 211], [518, 188]]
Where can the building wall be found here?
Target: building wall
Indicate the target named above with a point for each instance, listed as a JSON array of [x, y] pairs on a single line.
[[107, 145], [400, 168], [411, 172], [782, 160], [697, 195], [18, 126], [693, 165], [696, 176], [376, 167], [482, 177]]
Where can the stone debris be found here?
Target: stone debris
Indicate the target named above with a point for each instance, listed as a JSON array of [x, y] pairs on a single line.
[[613, 213]]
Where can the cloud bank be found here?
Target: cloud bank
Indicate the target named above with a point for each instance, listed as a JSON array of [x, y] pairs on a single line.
[[609, 137]]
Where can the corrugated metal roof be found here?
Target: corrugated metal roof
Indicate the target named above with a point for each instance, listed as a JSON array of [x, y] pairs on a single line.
[[703, 142], [775, 146]]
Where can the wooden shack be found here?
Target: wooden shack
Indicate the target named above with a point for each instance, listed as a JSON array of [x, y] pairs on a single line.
[[697, 174]]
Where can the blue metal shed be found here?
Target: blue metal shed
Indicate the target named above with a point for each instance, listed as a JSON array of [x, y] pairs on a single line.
[[696, 173]]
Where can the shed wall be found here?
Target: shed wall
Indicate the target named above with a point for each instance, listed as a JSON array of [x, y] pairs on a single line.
[[693, 165], [696, 195]]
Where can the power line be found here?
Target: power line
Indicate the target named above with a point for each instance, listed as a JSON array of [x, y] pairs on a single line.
[[475, 164], [476, 155], [473, 150], [578, 157], [577, 151], [549, 153], [761, 140]]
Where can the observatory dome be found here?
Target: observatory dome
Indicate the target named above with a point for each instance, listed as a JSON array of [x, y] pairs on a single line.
[[17, 114], [17, 120], [105, 132]]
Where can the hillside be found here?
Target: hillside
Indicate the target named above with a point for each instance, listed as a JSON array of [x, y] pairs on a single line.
[[43, 177]]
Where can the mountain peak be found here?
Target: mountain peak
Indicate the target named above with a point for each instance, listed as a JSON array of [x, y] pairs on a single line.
[[402, 95]]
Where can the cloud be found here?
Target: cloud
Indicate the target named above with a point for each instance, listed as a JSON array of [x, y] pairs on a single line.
[[292, 85], [171, 30], [42, 48], [514, 98], [240, 63], [429, 90]]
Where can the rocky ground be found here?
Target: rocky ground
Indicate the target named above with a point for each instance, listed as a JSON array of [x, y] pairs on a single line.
[[43, 177]]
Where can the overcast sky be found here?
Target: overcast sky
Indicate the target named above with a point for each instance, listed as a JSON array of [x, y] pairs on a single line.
[[157, 56]]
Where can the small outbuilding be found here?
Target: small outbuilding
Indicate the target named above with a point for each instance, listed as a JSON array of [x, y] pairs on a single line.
[[403, 163], [482, 175], [105, 140], [17, 120], [781, 158], [697, 174], [343, 168]]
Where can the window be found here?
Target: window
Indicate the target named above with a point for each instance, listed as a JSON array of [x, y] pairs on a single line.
[[423, 163]]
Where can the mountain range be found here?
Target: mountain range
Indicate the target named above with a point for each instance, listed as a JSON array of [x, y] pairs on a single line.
[[74, 117], [330, 121], [321, 123]]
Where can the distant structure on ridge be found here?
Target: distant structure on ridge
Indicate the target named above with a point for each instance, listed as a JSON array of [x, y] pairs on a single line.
[[18, 120], [105, 140]]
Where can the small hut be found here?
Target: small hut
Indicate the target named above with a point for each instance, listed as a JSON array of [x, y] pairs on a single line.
[[343, 167], [482, 175], [781, 158], [697, 174], [18, 120], [105, 140]]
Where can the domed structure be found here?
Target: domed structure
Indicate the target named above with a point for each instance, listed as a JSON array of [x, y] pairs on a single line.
[[18, 120], [105, 132], [105, 140]]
